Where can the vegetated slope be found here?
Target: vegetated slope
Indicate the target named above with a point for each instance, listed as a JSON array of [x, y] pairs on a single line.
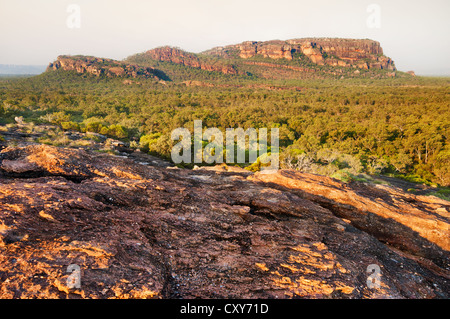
[[142, 231]]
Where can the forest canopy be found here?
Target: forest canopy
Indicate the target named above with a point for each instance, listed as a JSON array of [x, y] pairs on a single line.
[[397, 126]]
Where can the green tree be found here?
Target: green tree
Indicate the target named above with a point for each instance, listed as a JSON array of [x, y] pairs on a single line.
[[442, 167]]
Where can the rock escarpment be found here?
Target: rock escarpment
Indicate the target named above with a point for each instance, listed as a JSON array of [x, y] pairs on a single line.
[[174, 55], [303, 58], [101, 66], [363, 54], [140, 231]]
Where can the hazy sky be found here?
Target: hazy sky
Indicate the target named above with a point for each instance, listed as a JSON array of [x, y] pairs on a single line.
[[415, 34]]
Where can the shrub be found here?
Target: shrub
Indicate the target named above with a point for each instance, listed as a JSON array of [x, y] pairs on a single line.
[[94, 127], [70, 126], [148, 141], [117, 131]]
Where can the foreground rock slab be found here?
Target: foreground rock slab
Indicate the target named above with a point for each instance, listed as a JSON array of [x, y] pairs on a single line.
[[140, 231]]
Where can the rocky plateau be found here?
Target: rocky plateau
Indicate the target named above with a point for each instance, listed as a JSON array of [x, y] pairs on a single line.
[[281, 59], [357, 53], [100, 66]]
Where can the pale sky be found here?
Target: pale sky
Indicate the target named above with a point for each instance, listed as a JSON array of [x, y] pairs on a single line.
[[415, 34]]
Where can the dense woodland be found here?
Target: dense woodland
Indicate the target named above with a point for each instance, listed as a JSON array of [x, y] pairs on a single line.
[[331, 126]]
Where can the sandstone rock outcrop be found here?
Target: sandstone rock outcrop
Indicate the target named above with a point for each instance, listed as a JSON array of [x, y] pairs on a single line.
[[364, 54], [140, 231], [174, 55], [293, 59], [101, 66]]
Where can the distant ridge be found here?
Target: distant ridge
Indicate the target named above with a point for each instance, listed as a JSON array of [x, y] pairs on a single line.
[[14, 69]]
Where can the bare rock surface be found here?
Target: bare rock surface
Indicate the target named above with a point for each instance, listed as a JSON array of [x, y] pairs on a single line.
[[143, 231]]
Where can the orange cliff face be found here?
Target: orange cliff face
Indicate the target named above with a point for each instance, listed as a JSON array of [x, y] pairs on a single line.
[[101, 66], [365, 54], [143, 231], [174, 55]]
